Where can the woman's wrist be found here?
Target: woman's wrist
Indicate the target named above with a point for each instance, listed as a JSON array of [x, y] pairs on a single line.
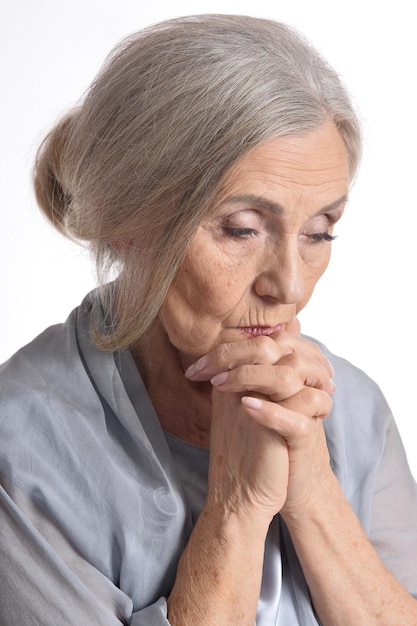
[[241, 516], [319, 500], [220, 571]]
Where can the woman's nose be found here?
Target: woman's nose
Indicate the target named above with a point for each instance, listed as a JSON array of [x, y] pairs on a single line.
[[282, 276]]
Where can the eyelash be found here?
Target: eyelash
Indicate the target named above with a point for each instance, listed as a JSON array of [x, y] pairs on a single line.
[[241, 233], [245, 233], [322, 237]]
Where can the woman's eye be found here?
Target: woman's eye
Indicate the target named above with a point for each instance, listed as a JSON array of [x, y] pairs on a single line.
[[322, 237], [241, 232]]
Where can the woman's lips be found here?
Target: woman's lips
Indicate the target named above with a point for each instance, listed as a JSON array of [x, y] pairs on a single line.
[[257, 331]]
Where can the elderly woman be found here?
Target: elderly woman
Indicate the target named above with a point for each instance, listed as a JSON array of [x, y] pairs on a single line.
[[164, 457]]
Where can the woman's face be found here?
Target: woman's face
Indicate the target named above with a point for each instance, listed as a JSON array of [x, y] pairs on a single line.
[[259, 252]]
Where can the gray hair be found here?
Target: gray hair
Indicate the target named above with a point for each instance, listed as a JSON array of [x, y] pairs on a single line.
[[135, 167]]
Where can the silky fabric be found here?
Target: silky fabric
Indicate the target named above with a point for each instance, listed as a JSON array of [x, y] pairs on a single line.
[[97, 502]]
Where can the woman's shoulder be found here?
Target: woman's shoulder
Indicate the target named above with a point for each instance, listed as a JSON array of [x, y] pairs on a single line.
[[50, 411], [44, 377], [37, 381], [44, 358], [51, 358]]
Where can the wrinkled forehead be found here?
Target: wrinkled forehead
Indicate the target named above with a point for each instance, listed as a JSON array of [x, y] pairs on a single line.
[[314, 163]]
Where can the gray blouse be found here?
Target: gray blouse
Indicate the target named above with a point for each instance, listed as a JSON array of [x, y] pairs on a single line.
[[97, 502]]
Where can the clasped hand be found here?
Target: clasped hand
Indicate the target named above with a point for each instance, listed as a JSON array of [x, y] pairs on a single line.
[[268, 451]]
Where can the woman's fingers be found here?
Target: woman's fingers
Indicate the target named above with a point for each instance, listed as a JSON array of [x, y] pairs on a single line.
[[292, 419], [263, 350], [264, 454], [228, 356], [289, 376], [270, 395]]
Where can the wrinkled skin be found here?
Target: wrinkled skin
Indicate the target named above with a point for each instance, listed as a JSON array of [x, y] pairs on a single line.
[[251, 267]]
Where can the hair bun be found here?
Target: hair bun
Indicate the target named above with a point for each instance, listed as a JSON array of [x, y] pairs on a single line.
[[51, 192]]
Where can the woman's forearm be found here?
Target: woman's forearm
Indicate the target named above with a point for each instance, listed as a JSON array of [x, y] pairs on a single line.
[[348, 582], [219, 574]]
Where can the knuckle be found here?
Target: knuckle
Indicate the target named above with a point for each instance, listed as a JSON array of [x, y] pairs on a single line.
[[319, 355], [313, 346], [244, 373], [320, 403], [266, 347], [316, 350], [292, 359], [285, 376], [225, 355]]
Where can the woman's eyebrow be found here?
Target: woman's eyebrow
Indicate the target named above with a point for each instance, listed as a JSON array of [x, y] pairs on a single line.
[[335, 205], [277, 208], [254, 200]]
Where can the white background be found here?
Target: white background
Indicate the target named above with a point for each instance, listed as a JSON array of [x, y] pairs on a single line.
[[364, 307]]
